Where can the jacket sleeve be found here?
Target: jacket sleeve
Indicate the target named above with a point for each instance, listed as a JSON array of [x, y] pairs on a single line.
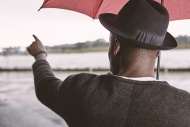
[[46, 84]]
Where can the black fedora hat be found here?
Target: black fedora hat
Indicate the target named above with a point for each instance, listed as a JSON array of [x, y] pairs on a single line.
[[143, 22]]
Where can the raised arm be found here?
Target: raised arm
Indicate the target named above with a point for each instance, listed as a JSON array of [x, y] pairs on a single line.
[[46, 84]]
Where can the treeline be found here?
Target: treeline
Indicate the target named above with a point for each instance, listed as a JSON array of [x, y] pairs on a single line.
[[88, 46], [102, 45], [183, 39]]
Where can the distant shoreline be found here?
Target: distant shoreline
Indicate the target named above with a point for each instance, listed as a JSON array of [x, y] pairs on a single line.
[[183, 46], [82, 50], [88, 69], [69, 51]]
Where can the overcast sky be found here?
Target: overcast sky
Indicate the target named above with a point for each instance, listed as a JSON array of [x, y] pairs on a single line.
[[19, 19]]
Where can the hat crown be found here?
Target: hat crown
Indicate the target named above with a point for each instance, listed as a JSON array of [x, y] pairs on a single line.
[[145, 15], [142, 23]]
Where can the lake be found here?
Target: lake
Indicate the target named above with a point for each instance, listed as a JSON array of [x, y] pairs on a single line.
[[179, 58]]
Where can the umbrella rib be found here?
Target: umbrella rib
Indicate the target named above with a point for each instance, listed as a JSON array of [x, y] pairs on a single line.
[[98, 9], [43, 4], [162, 2]]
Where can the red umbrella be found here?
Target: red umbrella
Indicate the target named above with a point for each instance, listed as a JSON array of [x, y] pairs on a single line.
[[178, 9]]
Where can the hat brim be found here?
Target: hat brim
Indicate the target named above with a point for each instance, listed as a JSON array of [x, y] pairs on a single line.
[[107, 21]]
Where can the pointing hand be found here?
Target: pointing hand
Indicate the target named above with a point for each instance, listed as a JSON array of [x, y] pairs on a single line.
[[37, 49]]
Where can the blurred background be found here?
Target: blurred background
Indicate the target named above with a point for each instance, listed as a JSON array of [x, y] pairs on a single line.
[[71, 40]]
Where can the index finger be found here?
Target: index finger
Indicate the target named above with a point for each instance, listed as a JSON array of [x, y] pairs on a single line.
[[35, 37]]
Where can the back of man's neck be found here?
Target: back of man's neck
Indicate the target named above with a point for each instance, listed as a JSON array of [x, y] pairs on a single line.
[[137, 72]]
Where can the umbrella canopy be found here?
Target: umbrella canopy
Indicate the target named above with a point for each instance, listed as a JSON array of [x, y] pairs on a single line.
[[92, 8], [178, 9]]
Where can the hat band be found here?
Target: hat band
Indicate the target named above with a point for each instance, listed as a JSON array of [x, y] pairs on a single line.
[[146, 37]]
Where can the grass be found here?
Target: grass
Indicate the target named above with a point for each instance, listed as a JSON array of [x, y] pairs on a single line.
[[183, 46], [83, 50]]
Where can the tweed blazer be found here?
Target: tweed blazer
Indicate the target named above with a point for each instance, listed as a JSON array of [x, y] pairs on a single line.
[[89, 100]]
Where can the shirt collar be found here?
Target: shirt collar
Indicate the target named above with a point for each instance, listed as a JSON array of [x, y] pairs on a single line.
[[140, 78]]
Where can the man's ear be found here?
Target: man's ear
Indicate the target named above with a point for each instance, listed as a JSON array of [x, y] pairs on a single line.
[[116, 47]]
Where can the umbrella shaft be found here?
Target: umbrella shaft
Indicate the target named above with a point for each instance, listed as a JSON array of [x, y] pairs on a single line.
[[158, 68]]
